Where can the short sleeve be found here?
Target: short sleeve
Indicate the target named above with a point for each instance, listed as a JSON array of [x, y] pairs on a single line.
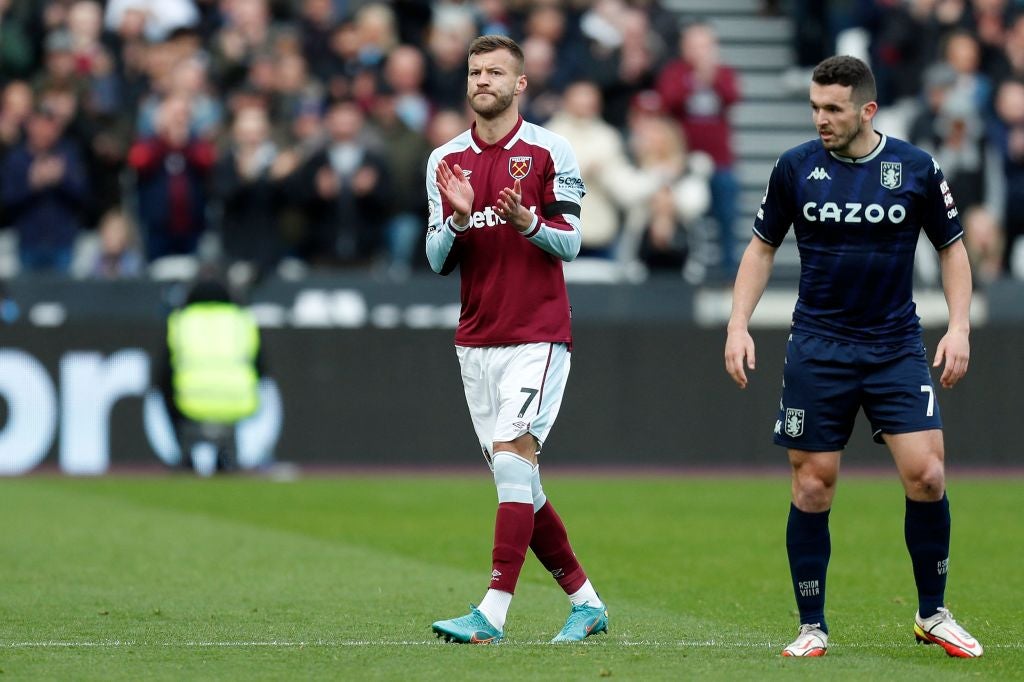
[[941, 217], [775, 215]]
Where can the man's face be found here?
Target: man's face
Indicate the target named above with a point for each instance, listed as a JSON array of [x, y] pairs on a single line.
[[837, 117], [494, 81]]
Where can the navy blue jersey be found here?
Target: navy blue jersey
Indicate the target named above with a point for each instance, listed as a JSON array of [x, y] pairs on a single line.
[[857, 223]]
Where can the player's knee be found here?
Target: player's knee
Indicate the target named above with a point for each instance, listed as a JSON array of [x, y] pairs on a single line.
[[813, 489], [927, 482], [513, 477]]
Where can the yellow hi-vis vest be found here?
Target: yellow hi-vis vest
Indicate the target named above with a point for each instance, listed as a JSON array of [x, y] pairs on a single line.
[[213, 347]]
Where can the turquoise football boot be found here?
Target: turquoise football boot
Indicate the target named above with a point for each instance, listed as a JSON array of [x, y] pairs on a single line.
[[584, 621], [473, 628]]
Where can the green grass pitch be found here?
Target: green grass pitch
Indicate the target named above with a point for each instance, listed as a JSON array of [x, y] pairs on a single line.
[[340, 577]]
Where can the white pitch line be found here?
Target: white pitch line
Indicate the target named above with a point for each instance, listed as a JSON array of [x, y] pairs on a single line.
[[704, 644]]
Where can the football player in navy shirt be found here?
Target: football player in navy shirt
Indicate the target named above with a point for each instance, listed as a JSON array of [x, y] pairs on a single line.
[[857, 201]]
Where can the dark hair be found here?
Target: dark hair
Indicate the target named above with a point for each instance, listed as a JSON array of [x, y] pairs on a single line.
[[490, 43], [847, 71]]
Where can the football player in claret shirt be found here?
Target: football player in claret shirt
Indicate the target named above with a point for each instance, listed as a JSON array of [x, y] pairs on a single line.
[[857, 201], [504, 199]]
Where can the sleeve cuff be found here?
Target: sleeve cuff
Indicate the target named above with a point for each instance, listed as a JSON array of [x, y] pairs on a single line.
[[455, 228], [533, 229]]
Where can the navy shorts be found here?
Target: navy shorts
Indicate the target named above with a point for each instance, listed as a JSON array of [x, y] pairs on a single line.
[[825, 382]]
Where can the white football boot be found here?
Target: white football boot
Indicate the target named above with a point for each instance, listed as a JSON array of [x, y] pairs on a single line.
[[812, 641], [941, 629]]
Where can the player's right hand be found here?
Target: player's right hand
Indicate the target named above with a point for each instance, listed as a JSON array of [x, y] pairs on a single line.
[[455, 188], [739, 347]]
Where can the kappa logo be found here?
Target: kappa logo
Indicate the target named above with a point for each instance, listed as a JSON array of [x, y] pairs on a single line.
[[794, 422], [892, 174], [818, 173], [519, 166]]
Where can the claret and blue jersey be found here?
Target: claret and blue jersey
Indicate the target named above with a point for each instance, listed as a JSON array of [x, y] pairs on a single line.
[[857, 223]]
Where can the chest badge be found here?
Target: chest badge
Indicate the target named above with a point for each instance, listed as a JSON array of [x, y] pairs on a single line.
[[519, 166], [892, 174]]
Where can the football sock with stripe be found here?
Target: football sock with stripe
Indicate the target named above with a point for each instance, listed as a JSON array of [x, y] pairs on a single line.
[[926, 530], [513, 525], [809, 547], [550, 543]]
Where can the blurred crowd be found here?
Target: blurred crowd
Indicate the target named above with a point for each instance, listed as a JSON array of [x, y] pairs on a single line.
[[289, 135], [951, 73]]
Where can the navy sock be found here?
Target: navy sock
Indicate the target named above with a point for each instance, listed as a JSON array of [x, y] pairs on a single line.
[[809, 547], [926, 529]]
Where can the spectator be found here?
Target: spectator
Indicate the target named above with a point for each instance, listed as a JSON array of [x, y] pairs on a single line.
[[246, 33], [186, 80], [247, 183], [544, 96], [17, 56], [406, 150], [404, 74], [699, 91], [983, 237], [446, 74], [623, 55], [679, 194], [316, 22], [1014, 48], [377, 31], [171, 168], [119, 255], [603, 164], [1009, 140], [952, 129], [161, 17], [44, 190], [292, 86], [15, 108], [963, 53], [445, 125], [345, 192]]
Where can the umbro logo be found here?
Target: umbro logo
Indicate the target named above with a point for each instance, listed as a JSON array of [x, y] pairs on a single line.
[[466, 172], [819, 173]]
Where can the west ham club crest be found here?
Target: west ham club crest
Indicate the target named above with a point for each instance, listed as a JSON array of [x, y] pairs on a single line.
[[519, 166], [892, 174]]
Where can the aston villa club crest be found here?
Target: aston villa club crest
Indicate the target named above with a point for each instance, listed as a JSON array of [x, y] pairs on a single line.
[[519, 166], [892, 174], [794, 422]]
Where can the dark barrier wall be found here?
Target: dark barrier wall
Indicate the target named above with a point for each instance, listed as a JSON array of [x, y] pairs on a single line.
[[644, 394]]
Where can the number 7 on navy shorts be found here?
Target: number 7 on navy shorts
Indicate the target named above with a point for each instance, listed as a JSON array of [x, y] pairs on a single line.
[[825, 383]]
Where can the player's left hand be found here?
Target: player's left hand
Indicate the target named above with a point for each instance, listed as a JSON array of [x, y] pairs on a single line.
[[955, 350], [510, 207]]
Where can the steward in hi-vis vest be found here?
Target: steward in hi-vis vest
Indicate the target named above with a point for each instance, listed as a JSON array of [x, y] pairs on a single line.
[[209, 376], [213, 349]]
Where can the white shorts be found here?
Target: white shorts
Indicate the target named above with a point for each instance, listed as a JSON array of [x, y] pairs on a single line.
[[513, 390]]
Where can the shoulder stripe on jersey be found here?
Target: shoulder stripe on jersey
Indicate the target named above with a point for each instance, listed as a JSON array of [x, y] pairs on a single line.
[[562, 207]]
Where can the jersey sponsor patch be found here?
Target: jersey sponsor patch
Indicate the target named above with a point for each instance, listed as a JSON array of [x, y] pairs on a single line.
[[892, 174], [519, 166], [794, 422]]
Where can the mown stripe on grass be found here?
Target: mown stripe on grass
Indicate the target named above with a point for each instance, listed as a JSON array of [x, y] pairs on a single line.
[[682, 644]]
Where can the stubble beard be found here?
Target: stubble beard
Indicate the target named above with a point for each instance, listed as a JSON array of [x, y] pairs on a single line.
[[841, 144], [493, 108]]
